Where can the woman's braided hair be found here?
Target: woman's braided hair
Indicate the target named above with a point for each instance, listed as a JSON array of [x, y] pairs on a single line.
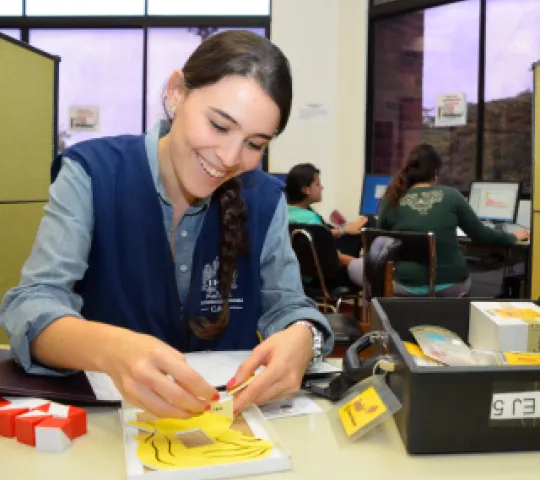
[[234, 241]]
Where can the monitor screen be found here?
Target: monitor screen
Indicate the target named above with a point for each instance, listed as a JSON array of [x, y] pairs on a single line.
[[495, 201], [280, 176], [372, 192]]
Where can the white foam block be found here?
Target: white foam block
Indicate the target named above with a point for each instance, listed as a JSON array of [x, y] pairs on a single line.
[[34, 413], [51, 439], [59, 411], [23, 402]]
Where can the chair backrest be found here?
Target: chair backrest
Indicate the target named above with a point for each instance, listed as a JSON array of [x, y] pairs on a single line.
[[397, 246], [376, 261], [316, 251]]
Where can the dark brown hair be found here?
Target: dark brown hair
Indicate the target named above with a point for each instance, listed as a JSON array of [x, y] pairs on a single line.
[[236, 52], [422, 165], [300, 176]]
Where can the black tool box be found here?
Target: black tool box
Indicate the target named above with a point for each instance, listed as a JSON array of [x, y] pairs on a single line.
[[455, 409]]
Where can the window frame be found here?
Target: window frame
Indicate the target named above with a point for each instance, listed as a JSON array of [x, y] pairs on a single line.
[[402, 7], [144, 22]]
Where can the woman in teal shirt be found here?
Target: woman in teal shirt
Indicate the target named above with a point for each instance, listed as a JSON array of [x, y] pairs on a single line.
[[303, 188]]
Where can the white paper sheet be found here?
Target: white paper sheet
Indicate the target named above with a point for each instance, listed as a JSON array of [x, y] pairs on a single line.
[[292, 407], [217, 368], [103, 386]]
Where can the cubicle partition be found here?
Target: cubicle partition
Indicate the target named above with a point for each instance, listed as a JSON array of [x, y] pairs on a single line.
[[28, 112], [535, 220]]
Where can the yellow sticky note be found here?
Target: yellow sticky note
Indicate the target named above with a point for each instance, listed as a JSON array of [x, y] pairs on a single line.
[[224, 406], [522, 358], [361, 410], [521, 313]]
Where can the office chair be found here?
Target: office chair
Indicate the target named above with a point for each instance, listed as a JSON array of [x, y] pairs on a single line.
[[382, 248], [318, 258]]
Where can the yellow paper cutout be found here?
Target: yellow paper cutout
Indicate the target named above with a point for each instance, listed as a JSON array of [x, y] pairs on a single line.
[[520, 313], [361, 410], [212, 424], [160, 447]]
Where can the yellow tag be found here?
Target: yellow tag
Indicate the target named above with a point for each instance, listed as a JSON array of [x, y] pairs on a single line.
[[415, 350], [361, 410], [522, 358], [520, 313]]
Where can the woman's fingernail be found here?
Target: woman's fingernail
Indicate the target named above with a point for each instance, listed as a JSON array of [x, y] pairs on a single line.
[[215, 398], [232, 383], [235, 412], [207, 408]]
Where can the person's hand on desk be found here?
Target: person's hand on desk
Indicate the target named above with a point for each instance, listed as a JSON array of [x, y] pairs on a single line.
[[155, 377], [355, 228], [521, 234], [285, 355]]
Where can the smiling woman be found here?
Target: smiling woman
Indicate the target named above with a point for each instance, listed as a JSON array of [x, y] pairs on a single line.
[[174, 241]]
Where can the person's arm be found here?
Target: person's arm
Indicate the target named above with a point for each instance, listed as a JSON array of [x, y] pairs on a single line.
[[57, 261], [42, 315], [355, 227], [344, 259], [282, 295], [469, 222], [287, 348]]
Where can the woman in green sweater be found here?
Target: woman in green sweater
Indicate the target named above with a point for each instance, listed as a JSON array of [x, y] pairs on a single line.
[[414, 202]]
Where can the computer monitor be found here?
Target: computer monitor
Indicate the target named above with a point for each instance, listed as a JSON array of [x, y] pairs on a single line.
[[495, 201], [372, 192], [280, 176]]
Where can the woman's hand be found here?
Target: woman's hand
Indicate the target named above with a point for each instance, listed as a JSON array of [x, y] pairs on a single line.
[[285, 355], [155, 377], [355, 228], [521, 234]]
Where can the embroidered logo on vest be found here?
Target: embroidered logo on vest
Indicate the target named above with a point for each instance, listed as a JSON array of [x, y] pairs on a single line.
[[422, 202], [211, 297]]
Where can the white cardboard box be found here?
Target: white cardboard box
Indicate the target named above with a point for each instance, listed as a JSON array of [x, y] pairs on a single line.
[[505, 326]]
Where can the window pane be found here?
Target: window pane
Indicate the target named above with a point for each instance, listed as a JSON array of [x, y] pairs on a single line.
[[168, 50], [10, 8], [209, 7], [417, 57], [84, 7], [92, 74], [12, 32], [380, 2], [512, 45]]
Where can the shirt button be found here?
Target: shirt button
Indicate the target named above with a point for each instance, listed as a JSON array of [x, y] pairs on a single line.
[[183, 233], [183, 268]]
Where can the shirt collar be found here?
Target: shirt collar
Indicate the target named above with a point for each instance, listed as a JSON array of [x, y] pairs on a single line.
[[160, 129]]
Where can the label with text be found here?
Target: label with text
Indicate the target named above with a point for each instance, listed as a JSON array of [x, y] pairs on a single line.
[[515, 405]]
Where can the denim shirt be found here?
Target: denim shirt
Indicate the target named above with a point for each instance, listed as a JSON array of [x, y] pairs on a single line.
[[60, 253]]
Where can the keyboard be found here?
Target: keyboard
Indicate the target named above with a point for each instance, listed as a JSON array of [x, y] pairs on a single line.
[[502, 227]]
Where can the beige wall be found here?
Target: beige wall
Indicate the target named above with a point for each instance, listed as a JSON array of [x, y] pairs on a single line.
[[326, 42]]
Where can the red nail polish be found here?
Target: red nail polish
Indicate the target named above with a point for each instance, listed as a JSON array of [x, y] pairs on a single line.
[[235, 412], [232, 383], [207, 408], [215, 398]]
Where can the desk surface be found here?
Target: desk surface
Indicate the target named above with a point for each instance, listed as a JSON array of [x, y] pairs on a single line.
[[317, 453]]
